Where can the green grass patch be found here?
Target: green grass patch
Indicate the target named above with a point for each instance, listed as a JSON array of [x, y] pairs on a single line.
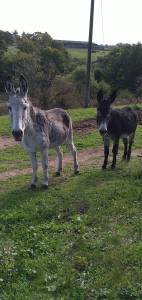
[[82, 53], [81, 114], [81, 239], [5, 126]]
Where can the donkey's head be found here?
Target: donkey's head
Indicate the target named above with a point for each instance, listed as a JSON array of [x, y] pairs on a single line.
[[103, 110], [18, 107]]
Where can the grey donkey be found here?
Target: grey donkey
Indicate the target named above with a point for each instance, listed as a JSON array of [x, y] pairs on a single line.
[[38, 130]]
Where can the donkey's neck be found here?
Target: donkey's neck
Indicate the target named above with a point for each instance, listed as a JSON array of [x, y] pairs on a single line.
[[32, 112], [31, 119]]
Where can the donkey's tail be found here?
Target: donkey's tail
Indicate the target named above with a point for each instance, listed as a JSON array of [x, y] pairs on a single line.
[[69, 128]]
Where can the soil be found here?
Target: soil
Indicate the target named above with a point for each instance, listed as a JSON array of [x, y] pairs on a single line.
[[6, 142], [85, 126]]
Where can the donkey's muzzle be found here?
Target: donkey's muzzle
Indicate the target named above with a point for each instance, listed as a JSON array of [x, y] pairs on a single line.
[[17, 135], [103, 131]]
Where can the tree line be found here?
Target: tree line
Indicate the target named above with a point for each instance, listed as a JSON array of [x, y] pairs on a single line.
[[57, 79]]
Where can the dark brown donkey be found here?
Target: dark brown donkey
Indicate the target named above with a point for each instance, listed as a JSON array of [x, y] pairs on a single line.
[[115, 124]]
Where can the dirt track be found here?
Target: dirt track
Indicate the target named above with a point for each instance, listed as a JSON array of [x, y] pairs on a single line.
[[85, 157]]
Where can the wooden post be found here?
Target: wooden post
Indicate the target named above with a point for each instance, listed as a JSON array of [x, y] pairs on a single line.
[[87, 89]]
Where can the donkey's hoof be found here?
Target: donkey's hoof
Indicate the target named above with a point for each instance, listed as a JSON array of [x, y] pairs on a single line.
[[45, 186], [112, 167], [58, 173], [33, 186], [124, 158], [103, 167], [76, 172]]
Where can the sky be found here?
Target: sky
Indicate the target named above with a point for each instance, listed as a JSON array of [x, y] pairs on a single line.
[[69, 19]]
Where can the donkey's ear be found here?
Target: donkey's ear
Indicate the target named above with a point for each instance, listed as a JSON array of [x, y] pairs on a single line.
[[99, 95], [112, 96], [23, 85], [9, 88]]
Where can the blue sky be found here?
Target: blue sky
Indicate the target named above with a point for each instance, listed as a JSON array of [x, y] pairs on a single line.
[[69, 19]]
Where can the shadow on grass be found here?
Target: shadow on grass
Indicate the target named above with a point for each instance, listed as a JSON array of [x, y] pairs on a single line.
[[68, 195]]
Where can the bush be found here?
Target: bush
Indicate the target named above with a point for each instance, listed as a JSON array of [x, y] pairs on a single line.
[[63, 93]]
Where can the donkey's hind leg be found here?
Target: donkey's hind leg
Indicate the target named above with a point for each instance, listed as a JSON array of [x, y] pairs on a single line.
[[60, 159], [44, 156], [73, 151], [131, 141], [125, 142]]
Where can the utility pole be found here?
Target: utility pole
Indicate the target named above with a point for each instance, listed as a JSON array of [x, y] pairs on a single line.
[[87, 89]]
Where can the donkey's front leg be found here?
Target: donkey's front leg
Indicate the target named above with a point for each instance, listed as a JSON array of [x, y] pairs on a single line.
[[115, 152], [35, 167], [73, 150], [125, 142], [44, 156], [106, 151]]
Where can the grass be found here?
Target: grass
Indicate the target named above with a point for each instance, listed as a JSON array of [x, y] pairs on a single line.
[[82, 53], [79, 240], [5, 126]]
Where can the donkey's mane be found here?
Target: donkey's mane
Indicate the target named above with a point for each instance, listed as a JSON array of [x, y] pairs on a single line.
[[32, 111], [39, 118]]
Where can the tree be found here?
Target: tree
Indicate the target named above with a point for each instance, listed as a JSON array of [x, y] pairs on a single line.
[[122, 67]]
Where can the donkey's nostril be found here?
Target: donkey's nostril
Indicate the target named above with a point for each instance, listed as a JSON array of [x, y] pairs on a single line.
[[103, 131], [17, 134]]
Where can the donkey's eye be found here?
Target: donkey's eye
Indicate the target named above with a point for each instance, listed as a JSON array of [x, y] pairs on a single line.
[[25, 107], [9, 108]]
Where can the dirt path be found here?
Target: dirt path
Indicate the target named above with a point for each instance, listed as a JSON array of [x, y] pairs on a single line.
[[6, 142], [85, 157]]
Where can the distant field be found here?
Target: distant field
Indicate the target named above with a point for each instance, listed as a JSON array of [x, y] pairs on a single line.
[[82, 53]]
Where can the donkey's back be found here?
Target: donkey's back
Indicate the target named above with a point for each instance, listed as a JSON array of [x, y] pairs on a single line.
[[122, 122], [56, 123]]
